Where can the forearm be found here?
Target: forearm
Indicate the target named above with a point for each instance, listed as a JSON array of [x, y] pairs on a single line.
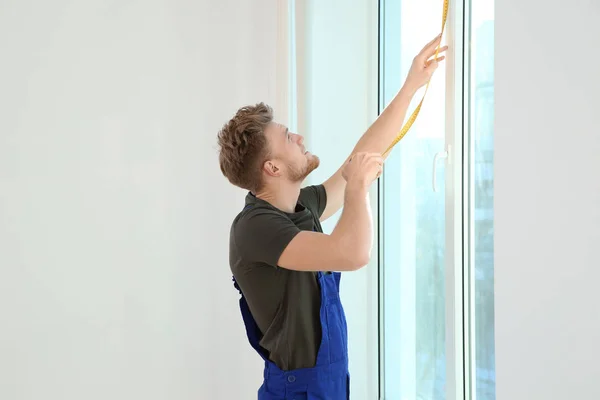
[[382, 133], [385, 128], [354, 232]]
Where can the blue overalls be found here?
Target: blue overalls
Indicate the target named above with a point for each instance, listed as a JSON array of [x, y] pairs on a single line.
[[329, 378]]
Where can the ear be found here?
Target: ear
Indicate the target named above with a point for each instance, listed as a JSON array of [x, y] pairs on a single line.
[[271, 168]]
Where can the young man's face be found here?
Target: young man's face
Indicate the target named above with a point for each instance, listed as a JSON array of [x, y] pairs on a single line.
[[289, 154]]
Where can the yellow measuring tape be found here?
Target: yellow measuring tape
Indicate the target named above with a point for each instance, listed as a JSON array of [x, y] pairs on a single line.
[[413, 117]]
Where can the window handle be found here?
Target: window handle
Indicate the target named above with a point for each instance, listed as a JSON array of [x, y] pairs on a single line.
[[440, 154]]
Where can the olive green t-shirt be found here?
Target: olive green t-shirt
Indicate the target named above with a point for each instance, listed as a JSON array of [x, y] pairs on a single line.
[[285, 304]]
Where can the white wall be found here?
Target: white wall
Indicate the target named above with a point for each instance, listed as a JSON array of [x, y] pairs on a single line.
[[114, 277], [547, 203]]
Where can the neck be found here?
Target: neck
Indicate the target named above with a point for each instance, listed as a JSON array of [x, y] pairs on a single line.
[[283, 195]]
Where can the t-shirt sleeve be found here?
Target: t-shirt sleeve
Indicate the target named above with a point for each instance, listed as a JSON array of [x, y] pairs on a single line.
[[314, 198], [262, 235]]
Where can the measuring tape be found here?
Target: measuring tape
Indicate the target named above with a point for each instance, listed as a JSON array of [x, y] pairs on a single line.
[[413, 117]]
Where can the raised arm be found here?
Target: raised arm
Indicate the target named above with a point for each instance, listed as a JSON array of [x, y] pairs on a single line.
[[348, 248], [385, 128], [349, 245], [267, 236]]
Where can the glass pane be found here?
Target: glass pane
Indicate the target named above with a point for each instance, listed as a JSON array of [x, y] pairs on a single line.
[[482, 173], [413, 220]]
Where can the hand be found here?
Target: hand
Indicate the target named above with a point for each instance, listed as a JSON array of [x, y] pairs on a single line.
[[362, 169], [424, 66]]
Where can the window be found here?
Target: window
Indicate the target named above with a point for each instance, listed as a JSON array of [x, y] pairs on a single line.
[[413, 220], [431, 286], [436, 246]]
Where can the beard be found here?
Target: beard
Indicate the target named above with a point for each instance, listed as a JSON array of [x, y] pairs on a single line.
[[299, 174]]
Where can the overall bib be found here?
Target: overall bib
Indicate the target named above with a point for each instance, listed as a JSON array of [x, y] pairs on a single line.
[[329, 378]]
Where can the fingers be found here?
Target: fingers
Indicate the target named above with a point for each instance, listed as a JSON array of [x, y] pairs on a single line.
[[430, 48], [375, 157], [379, 170], [364, 166], [433, 43], [441, 50], [363, 154], [376, 165], [434, 61]]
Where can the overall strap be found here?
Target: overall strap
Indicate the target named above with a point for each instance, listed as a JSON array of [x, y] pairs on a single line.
[[252, 330]]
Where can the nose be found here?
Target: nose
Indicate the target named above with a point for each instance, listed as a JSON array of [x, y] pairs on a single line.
[[299, 139]]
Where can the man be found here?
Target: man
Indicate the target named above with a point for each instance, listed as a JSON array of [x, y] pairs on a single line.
[[279, 256]]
